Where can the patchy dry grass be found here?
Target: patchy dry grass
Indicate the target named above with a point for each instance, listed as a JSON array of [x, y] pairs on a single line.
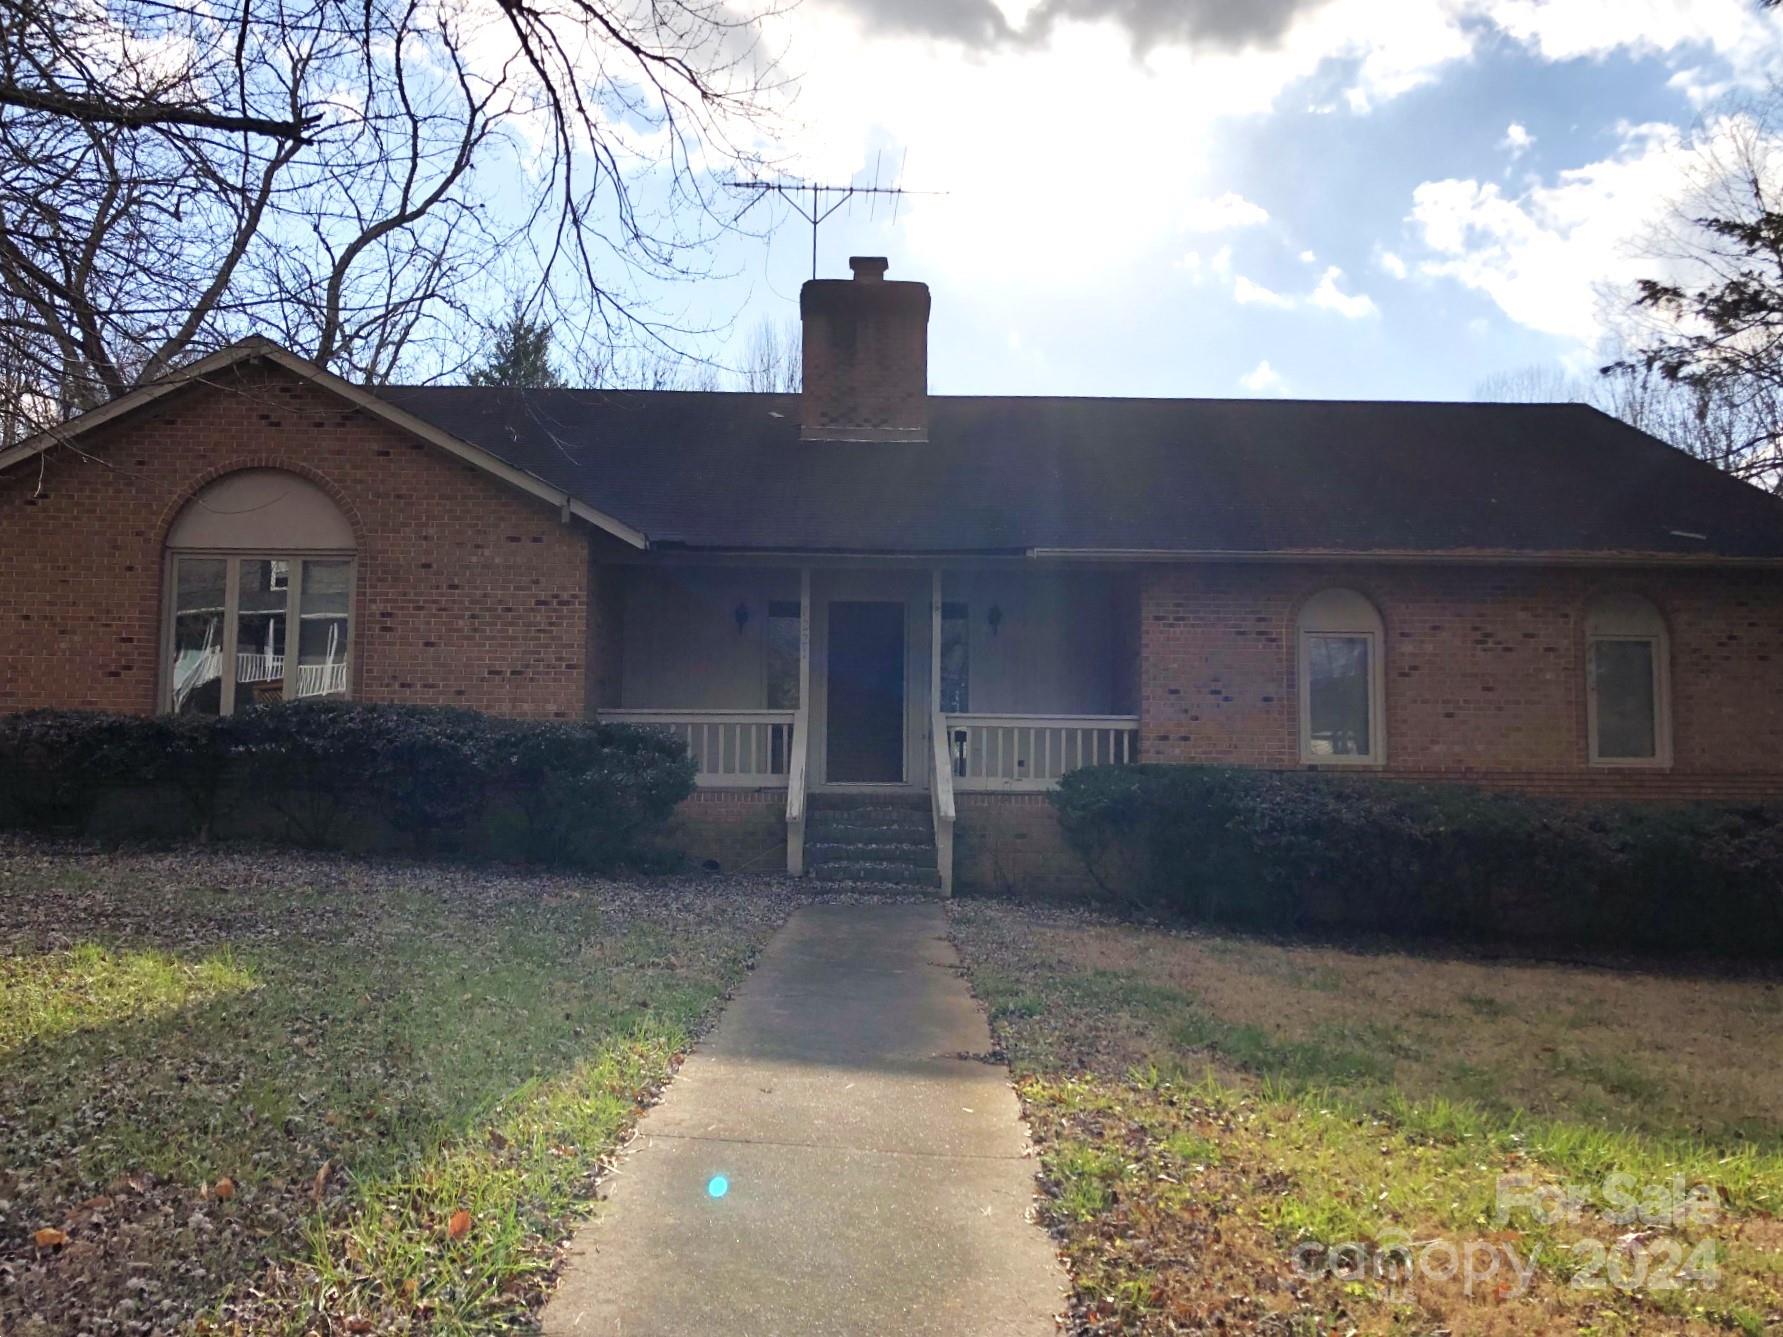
[[1208, 1106], [253, 1092]]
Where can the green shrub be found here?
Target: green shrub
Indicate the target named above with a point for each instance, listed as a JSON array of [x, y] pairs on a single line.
[[55, 764], [1293, 851], [588, 794]]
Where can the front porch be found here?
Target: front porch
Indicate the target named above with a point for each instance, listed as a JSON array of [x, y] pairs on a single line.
[[907, 683]]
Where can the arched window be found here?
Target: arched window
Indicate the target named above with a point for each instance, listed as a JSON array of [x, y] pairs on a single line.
[[1340, 645], [1627, 682], [259, 596]]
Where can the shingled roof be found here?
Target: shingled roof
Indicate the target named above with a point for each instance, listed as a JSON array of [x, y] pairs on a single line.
[[1018, 475]]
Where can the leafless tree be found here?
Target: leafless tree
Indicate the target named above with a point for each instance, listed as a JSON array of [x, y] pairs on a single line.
[[773, 359], [1700, 420], [1705, 333], [364, 181]]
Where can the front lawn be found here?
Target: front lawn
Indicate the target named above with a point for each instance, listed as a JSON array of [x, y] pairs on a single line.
[[1217, 1116], [278, 1094]]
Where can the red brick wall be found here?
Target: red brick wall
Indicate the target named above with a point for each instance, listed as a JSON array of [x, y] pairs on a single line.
[[865, 356], [743, 830], [1484, 672], [469, 593], [1010, 845]]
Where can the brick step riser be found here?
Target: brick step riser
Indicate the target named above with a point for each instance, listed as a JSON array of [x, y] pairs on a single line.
[[895, 874], [917, 856], [823, 821]]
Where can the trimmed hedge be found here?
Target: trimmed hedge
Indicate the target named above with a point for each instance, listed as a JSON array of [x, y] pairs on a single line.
[[1302, 852], [317, 772]]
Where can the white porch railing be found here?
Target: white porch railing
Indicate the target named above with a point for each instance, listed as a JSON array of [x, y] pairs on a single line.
[[739, 748], [321, 680], [990, 752]]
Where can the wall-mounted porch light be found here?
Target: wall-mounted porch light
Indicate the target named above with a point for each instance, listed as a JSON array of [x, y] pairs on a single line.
[[994, 617], [741, 614]]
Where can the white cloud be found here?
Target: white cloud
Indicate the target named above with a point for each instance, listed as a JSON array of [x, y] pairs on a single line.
[[1517, 139], [1247, 293], [1552, 255], [1308, 258], [1227, 213], [987, 124], [1221, 263], [1329, 297], [1263, 379], [1391, 264]]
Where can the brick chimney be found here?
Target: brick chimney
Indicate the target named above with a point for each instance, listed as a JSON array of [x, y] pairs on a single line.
[[866, 363]]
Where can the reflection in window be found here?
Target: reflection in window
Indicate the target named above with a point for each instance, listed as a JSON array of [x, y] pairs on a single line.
[[322, 629], [1337, 695], [200, 588], [231, 642], [955, 659], [260, 632]]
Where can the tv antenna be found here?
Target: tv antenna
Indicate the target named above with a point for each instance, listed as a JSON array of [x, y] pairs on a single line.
[[816, 203]]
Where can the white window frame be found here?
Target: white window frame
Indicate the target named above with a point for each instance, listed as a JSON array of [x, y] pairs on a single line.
[[1350, 615], [1630, 618], [232, 614]]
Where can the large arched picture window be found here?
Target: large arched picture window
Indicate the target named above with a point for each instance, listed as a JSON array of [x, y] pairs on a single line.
[[259, 596], [1340, 644], [1627, 682]]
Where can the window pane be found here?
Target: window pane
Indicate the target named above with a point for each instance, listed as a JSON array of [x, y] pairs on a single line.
[[956, 671], [783, 655], [197, 670], [1623, 673], [260, 632], [322, 629], [1337, 696]]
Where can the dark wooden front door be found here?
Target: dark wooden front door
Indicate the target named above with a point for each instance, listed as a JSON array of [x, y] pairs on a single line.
[[866, 693]]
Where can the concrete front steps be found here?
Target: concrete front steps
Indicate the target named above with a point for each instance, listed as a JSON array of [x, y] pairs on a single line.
[[888, 839]]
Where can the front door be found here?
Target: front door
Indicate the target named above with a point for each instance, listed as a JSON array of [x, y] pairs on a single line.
[[866, 693]]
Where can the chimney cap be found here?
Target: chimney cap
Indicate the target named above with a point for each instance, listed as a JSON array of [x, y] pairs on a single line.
[[868, 268]]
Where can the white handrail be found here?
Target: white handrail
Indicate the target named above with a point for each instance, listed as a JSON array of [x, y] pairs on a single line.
[[730, 748], [795, 796], [1031, 752], [941, 799]]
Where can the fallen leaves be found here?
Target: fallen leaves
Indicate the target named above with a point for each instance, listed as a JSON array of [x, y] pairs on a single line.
[[224, 1189], [49, 1238], [459, 1226]]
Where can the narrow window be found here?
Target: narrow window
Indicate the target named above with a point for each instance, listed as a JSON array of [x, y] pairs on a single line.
[[1626, 658], [783, 654], [200, 604], [322, 623], [956, 654], [1340, 641]]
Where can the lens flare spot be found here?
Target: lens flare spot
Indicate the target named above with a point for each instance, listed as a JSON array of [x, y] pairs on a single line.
[[717, 1186]]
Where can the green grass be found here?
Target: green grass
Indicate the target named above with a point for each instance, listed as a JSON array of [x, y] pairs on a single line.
[[362, 1053], [1165, 1112]]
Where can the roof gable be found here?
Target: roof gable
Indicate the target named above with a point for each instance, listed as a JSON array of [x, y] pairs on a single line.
[[379, 406]]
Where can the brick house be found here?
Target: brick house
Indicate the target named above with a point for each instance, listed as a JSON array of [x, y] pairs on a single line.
[[939, 603]]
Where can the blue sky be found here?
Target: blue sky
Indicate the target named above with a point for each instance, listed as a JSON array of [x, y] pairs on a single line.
[[1346, 198]]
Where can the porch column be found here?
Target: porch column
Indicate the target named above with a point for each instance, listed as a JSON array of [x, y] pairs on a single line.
[[805, 640], [801, 738]]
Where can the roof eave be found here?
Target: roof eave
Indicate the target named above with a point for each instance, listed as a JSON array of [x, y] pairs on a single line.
[[1440, 556]]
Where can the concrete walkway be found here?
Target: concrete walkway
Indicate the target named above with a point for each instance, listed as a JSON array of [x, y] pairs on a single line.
[[875, 1182]]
